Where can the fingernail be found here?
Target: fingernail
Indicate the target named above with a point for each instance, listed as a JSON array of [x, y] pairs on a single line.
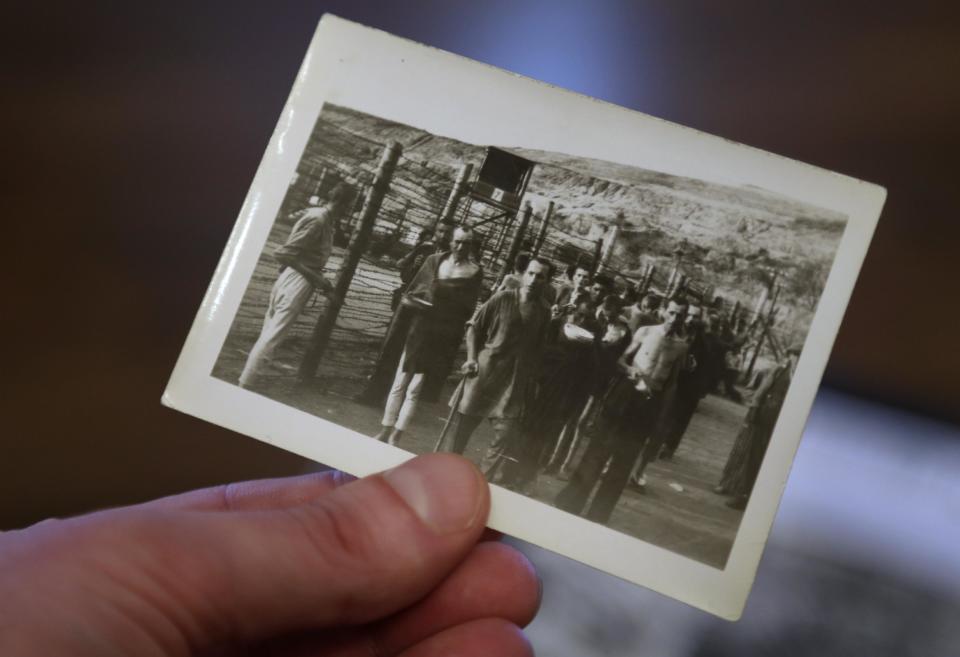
[[445, 491]]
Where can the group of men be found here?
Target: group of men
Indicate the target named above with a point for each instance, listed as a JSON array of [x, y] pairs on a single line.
[[558, 371]]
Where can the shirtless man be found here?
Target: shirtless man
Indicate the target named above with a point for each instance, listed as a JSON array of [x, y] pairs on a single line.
[[682, 403], [629, 410], [441, 296], [694, 384]]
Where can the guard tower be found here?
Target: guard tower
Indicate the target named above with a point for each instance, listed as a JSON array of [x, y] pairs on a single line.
[[500, 186]]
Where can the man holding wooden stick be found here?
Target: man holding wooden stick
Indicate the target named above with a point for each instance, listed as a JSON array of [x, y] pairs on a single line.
[[504, 343]]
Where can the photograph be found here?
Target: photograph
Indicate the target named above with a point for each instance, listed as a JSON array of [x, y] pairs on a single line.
[[620, 321], [481, 329], [609, 340]]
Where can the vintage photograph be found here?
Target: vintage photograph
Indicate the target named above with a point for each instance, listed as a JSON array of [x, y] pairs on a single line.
[[613, 341], [621, 321]]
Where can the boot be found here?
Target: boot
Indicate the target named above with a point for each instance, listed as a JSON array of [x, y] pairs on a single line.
[[739, 502]]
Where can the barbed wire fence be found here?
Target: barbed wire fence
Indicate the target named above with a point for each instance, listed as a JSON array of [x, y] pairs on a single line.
[[392, 207]]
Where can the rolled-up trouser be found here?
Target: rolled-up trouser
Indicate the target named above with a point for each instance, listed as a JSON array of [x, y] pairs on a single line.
[[289, 296], [402, 400]]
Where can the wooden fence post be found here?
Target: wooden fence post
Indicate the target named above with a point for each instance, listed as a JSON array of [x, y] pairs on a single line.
[[358, 244], [403, 216], [517, 240], [764, 327], [647, 279], [542, 233], [609, 243], [672, 280], [319, 184], [680, 286], [595, 265], [498, 247], [760, 303], [459, 187]]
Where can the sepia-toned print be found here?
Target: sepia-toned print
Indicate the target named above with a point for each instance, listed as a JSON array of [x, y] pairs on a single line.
[[610, 340]]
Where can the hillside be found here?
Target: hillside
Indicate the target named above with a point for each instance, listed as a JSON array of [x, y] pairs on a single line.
[[590, 193], [725, 231]]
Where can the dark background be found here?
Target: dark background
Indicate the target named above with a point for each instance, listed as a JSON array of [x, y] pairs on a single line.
[[132, 131]]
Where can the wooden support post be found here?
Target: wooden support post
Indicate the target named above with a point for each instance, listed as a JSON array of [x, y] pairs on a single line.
[[459, 187], [647, 279], [609, 242], [761, 302], [773, 303], [501, 238], [542, 233], [358, 244], [681, 285], [597, 250], [403, 216], [319, 184], [764, 328], [771, 338], [481, 244], [525, 215], [764, 297]]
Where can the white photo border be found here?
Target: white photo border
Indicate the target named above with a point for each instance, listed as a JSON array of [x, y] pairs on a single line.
[[371, 71]]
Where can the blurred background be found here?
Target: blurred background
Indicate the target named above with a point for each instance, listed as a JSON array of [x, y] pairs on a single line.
[[134, 130]]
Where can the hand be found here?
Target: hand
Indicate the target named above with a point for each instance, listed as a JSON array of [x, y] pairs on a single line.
[[556, 310], [326, 287], [413, 302], [317, 565], [470, 368]]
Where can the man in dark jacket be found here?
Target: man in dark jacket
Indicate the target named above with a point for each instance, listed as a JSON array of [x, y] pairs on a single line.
[[743, 465], [441, 296], [378, 386]]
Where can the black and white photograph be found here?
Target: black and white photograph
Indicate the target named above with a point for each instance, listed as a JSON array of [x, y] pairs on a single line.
[[481, 329], [622, 322], [612, 341]]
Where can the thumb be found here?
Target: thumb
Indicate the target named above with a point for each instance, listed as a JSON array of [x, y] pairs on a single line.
[[359, 553], [354, 554]]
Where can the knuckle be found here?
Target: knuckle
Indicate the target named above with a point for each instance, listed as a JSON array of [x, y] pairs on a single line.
[[230, 494], [339, 546], [340, 539]]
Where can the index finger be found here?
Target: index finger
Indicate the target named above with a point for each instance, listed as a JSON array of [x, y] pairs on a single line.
[[257, 495]]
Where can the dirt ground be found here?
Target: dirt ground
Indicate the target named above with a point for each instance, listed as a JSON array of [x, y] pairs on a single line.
[[692, 521]]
